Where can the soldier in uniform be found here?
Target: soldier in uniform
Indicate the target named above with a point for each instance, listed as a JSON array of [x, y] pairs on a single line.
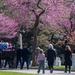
[[18, 56], [25, 56]]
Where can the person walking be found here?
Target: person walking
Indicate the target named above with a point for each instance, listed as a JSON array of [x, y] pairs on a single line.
[[51, 56], [41, 61], [68, 58], [25, 56], [0, 58], [18, 56]]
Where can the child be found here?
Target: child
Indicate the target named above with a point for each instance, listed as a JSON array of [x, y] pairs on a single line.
[[41, 61]]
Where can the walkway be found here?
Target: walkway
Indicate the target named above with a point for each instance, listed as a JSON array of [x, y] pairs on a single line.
[[34, 71]]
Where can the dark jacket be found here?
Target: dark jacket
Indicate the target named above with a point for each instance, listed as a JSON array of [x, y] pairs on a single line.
[[25, 53], [19, 53], [68, 58], [51, 55]]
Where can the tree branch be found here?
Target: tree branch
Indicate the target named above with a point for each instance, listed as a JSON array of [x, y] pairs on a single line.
[[28, 3], [41, 12], [38, 4]]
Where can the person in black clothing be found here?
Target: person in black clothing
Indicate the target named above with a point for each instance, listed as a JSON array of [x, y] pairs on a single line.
[[68, 58], [51, 56], [25, 56], [0, 57], [18, 56]]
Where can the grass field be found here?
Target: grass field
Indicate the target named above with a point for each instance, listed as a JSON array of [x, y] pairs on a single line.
[[62, 67], [13, 73], [59, 67]]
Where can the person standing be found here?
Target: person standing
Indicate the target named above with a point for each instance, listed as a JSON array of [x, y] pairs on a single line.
[[0, 57], [68, 58], [51, 56], [41, 61], [18, 56], [25, 56]]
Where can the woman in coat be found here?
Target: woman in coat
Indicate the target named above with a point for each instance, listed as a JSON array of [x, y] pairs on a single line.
[[68, 58], [51, 56]]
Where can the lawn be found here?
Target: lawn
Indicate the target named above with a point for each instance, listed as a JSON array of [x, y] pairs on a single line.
[[62, 67], [59, 67], [14, 73], [56, 67]]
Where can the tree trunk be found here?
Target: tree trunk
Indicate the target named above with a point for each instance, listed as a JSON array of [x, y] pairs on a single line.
[[35, 37], [34, 47]]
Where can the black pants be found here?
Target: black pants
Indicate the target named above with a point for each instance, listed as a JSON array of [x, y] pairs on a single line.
[[9, 61], [50, 64], [0, 63], [27, 63], [67, 67], [18, 60]]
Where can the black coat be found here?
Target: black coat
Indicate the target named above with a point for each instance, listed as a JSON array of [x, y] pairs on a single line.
[[51, 55], [19, 53], [68, 58], [26, 53]]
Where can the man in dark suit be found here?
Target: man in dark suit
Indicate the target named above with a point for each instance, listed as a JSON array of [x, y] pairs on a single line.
[[18, 56], [25, 56]]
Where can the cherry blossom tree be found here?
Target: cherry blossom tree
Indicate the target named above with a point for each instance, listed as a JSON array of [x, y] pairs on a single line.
[[8, 27], [54, 13], [68, 24]]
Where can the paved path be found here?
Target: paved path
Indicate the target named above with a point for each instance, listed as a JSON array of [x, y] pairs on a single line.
[[34, 71]]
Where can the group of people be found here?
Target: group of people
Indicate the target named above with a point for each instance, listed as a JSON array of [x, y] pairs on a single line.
[[51, 57], [22, 56]]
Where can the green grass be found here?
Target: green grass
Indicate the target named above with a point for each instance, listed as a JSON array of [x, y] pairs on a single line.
[[14, 73], [62, 67], [56, 67], [59, 67]]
